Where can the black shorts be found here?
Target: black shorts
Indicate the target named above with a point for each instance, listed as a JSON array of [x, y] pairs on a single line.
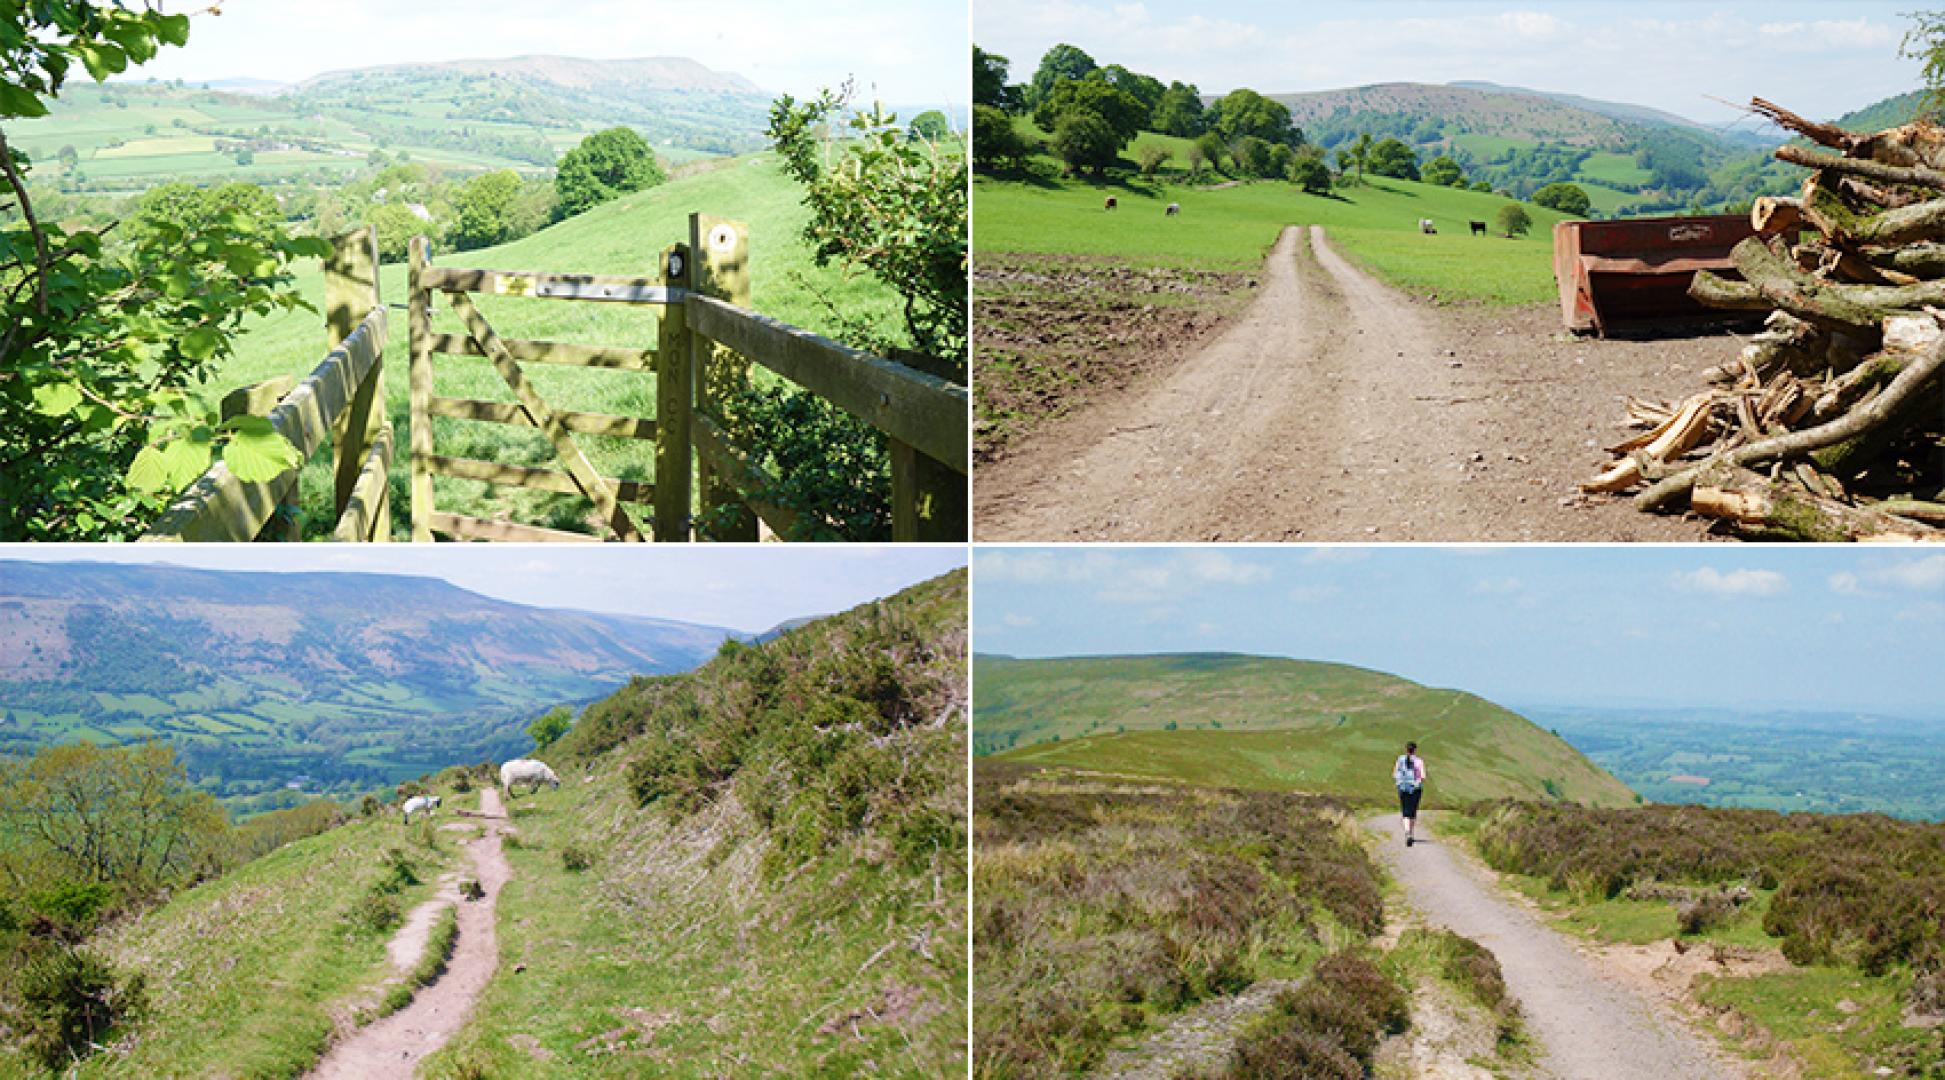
[[1408, 802]]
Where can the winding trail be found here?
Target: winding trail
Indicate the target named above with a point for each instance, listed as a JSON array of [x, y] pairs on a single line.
[[392, 1047], [1587, 1026]]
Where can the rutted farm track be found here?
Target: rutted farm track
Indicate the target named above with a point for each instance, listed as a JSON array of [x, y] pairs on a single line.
[[1336, 408]]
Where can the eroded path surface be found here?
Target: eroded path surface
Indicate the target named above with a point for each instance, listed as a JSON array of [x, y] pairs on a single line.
[[393, 1047], [1587, 1026], [1337, 408]]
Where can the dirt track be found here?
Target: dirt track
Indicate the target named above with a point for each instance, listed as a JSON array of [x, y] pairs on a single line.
[[394, 1046], [1586, 1024], [1336, 408]]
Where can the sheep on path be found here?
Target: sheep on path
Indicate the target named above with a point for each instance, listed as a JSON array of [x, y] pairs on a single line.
[[416, 803], [529, 772]]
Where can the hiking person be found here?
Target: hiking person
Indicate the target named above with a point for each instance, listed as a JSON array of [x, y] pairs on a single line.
[[1409, 775]]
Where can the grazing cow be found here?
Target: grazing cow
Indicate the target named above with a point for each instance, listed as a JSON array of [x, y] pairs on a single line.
[[1425, 226], [1174, 208], [416, 803], [1478, 227], [1111, 204], [529, 772]]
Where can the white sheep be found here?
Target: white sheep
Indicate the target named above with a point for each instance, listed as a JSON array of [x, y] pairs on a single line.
[[416, 803], [529, 772]]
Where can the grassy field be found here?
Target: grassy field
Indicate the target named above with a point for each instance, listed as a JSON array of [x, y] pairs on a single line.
[[1271, 724], [248, 974], [623, 237], [1233, 227], [1848, 901]]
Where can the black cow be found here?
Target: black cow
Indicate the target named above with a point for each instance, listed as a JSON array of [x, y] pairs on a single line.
[[1478, 227], [1111, 204], [1174, 208]]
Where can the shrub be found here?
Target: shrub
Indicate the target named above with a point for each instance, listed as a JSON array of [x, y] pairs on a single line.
[[1153, 157], [375, 911], [1513, 220], [471, 889], [70, 999], [575, 859], [1699, 914], [1292, 1055]]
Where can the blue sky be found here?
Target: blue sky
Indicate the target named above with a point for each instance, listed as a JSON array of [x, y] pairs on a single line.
[[912, 51], [1766, 627], [745, 588], [1821, 59]]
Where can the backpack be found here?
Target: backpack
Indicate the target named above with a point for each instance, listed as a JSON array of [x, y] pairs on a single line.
[[1405, 774]]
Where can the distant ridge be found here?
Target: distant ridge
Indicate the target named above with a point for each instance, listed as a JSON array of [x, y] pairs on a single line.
[[573, 72]]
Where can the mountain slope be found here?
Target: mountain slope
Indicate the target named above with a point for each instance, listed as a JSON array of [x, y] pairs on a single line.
[[801, 911], [333, 682], [1272, 724]]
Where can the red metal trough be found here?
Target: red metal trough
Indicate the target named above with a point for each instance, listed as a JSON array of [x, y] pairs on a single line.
[[1631, 276]]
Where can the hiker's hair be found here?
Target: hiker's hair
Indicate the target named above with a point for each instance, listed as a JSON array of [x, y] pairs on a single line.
[[1411, 748]]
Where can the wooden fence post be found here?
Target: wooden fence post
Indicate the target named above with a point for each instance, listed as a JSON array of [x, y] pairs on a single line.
[[350, 294], [721, 269], [674, 398], [258, 399], [419, 327], [928, 499]]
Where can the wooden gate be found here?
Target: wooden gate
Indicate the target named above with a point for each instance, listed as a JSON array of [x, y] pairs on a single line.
[[706, 340]]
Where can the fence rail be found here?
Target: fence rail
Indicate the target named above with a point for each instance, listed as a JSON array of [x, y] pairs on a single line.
[[705, 486], [342, 398]]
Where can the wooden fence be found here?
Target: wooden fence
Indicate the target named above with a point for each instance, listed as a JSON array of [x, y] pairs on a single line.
[[343, 397], [707, 339]]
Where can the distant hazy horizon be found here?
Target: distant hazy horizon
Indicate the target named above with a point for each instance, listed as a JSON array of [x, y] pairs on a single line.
[[1753, 628]]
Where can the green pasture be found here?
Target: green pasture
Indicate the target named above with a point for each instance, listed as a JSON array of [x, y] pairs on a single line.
[[1231, 227], [627, 236]]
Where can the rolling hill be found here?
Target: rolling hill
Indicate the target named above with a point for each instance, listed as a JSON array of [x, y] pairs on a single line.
[[1268, 723], [469, 115], [328, 682]]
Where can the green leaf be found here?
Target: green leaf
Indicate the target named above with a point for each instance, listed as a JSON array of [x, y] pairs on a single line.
[[185, 460], [148, 472], [173, 29], [258, 453], [101, 58], [200, 342], [15, 101], [56, 399]]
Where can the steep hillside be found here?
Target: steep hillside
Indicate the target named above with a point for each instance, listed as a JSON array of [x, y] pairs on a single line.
[[1270, 724], [757, 868], [1455, 109], [332, 682]]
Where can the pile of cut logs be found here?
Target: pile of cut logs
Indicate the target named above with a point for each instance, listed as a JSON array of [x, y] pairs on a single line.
[[1830, 424]]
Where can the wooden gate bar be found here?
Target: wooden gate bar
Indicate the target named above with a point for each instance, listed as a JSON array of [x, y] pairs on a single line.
[[472, 528], [494, 472], [723, 456], [628, 290], [552, 352], [578, 466], [507, 412]]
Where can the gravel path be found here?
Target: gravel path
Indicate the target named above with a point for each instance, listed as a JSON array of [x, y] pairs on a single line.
[[392, 1047], [1338, 408], [1587, 1026]]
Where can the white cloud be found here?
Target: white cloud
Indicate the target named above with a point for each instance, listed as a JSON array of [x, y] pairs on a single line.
[[1926, 573], [1207, 629], [1497, 586], [1734, 583], [1210, 565], [1335, 555], [1314, 594], [1846, 583], [1013, 620]]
